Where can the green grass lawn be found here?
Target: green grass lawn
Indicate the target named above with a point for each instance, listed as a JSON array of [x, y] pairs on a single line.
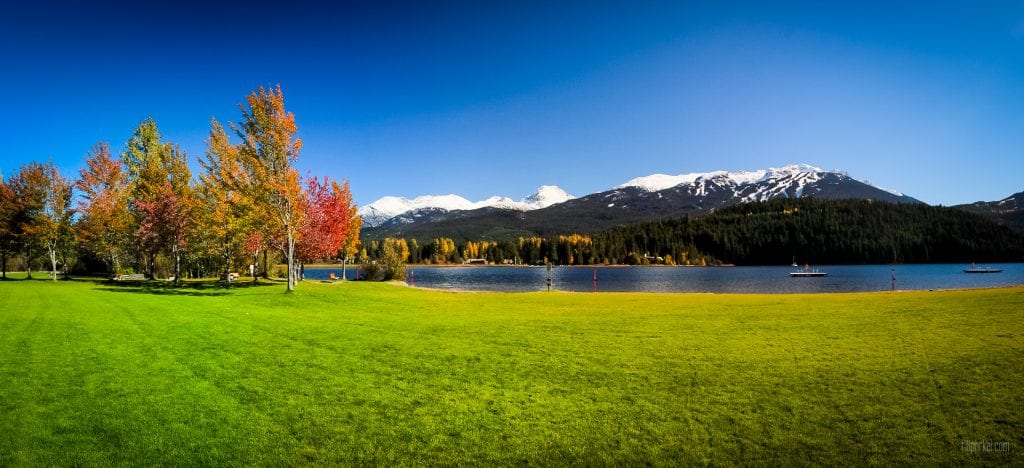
[[97, 374]]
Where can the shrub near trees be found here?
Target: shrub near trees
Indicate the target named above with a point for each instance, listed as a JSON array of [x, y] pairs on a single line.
[[389, 264], [145, 210]]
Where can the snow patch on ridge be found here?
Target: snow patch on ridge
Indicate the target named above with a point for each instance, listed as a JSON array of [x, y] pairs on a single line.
[[658, 182], [386, 208]]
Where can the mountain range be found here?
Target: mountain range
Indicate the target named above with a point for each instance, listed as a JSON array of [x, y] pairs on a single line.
[[404, 210], [553, 211]]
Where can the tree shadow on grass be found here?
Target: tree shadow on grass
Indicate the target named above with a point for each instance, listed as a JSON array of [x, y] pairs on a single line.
[[36, 277], [200, 288]]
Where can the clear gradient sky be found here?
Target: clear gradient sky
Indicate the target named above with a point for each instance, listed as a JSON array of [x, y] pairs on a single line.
[[482, 98]]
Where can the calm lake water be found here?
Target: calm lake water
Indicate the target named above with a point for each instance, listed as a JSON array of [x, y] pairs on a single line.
[[761, 279]]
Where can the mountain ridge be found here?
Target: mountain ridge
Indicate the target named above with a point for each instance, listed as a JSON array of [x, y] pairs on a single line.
[[1008, 211], [641, 199], [798, 176], [392, 207]]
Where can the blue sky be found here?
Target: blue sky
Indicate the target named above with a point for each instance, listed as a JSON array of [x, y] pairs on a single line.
[[486, 98]]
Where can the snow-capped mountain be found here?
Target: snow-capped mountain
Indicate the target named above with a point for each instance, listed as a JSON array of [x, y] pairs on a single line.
[[545, 196], [756, 185], [552, 211], [388, 208]]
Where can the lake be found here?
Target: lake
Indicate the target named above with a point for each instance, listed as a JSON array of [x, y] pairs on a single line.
[[746, 279]]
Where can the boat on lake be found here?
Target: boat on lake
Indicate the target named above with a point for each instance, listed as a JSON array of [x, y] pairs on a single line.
[[977, 269], [807, 272]]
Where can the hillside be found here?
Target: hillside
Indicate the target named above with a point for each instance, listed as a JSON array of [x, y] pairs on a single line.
[[1008, 211], [823, 231]]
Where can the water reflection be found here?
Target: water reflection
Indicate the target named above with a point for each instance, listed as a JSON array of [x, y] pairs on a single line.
[[772, 279]]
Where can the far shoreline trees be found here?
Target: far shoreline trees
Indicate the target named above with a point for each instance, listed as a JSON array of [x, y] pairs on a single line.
[[145, 210], [821, 231]]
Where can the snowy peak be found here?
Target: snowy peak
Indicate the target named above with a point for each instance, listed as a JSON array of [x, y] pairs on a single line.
[[794, 180], [547, 195], [654, 195], [390, 207], [658, 182]]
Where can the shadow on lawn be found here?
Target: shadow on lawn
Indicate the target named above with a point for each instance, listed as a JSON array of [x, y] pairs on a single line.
[[186, 288]]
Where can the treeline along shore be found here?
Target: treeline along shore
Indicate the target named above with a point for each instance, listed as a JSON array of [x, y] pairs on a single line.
[[761, 233]]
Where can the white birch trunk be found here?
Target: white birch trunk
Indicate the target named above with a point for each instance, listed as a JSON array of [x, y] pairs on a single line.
[[53, 258], [291, 260]]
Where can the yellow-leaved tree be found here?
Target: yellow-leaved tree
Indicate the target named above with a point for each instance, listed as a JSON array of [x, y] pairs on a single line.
[[267, 152], [226, 213]]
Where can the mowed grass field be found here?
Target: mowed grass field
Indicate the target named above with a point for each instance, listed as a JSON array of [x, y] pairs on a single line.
[[93, 373]]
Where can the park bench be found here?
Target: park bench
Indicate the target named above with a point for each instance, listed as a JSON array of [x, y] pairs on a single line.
[[132, 277]]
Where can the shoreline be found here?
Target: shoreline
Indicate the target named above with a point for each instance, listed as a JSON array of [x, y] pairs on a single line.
[[405, 284], [724, 265]]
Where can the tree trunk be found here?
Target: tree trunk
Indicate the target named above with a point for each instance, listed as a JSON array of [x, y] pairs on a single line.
[[291, 261], [65, 272], [53, 261], [227, 264], [3, 260], [177, 265], [255, 263], [266, 271], [343, 260]]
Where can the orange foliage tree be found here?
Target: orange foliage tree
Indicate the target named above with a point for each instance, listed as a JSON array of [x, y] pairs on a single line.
[[267, 152], [45, 196], [104, 223], [225, 216], [9, 210]]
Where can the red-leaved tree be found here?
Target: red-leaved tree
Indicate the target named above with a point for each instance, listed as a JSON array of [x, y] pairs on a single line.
[[252, 246], [165, 223], [328, 219]]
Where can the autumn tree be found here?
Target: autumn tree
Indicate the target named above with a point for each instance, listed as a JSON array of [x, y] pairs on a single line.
[[9, 213], [29, 187], [395, 253], [267, 151], [165, 224], [8, 226], [45, 221], [104, 223], [151, 163], [329, 219], [226, 212], [350, 248], [253, 245]]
